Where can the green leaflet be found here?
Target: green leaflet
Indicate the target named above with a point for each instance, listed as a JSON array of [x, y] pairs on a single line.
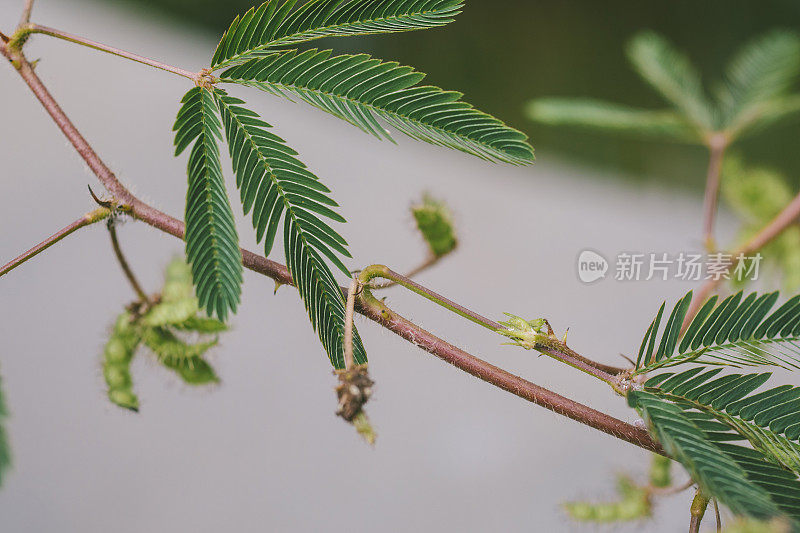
[[212, 245], [752, 96], [738, 331], [274, 24], [680, 425], [277, 188], [718, 474], [671, 73], [360, 89], [614, 118], [769, 419], [762, 70]]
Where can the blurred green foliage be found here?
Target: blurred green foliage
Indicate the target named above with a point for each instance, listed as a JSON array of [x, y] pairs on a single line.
[[757, 195]]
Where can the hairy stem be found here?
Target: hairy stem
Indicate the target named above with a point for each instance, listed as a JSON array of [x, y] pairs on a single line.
[[374, 310], [716, 144], [557, 350], [425, 265], [381, 271], [137, 288], [89, 218], [52, 32]]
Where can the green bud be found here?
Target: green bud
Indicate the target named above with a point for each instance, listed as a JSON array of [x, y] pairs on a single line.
[[434, 221]]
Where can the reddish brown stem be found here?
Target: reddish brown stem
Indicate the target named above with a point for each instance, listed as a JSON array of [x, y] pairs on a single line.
[[370, 307], [782, 220], [26, 12], [716, 145], [52, 32], [373, 310], [85, 220]]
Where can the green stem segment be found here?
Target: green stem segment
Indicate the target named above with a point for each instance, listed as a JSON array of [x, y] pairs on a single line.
[[547, 345]]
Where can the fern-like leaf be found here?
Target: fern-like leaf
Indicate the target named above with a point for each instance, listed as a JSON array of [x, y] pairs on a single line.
[[716, 472], [606, 116], [360, 89], [278, 187], [736, 331], [764, 69], [776, 111], [769, 419], [672, 74], [212, 245], [274, 24]]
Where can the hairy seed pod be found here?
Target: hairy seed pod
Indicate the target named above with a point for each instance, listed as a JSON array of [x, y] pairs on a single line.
[[195, 371], [117, 356], [171, 350]]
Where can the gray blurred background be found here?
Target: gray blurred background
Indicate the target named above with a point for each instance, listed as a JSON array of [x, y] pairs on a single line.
[[263, 450]]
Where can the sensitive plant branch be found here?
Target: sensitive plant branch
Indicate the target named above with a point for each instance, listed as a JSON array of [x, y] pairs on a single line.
[[717, 143], [25, 30], [552, 347], [126, 269], [783, 220], [371, 308], [86, 220], [26, 12]]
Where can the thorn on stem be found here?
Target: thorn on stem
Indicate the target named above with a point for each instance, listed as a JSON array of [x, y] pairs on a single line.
[[102, 203]]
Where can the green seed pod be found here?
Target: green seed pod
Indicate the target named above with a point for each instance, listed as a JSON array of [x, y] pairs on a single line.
[[183, 358], [117, 356], [169, 313], [178, 282], [202, 324], [170, 349], [435, 223], [116, 351], [195, 371], [581, 511], [660, 471], [124, 398], [116, 376]]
